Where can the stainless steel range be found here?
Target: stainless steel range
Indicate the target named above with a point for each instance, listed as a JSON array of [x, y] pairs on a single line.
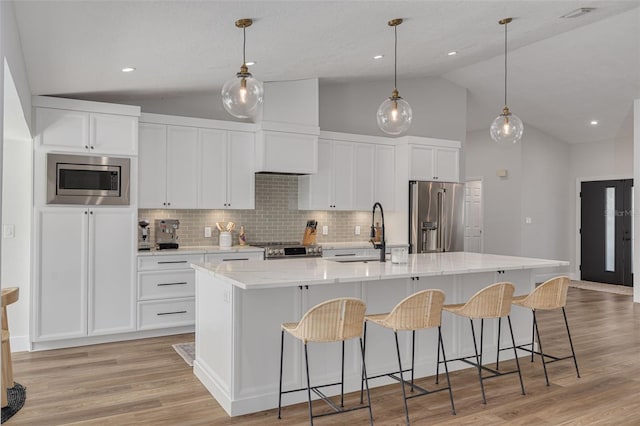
[[283, 250]]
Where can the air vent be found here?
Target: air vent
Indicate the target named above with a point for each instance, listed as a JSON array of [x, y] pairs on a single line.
[[578, 12]]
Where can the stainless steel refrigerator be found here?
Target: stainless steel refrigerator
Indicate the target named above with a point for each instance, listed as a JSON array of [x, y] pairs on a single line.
[[436, 217]]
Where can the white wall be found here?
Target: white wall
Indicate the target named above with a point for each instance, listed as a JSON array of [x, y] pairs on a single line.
[[16, 119], [536, 187], [439, 107]]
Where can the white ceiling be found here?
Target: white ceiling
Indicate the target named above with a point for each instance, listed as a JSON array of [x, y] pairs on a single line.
[[562, 72]]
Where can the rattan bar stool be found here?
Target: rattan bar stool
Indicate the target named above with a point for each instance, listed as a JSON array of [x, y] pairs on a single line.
[[552, 294], [493, 301], [9, 295], [335, 320], [419, 311]]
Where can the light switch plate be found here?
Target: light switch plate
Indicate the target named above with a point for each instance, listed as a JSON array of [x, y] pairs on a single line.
[[325, 230], [357, 231], [207, 232], [527, 220]]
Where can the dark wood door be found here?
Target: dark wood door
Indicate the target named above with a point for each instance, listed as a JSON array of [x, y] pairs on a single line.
[[605, 230]]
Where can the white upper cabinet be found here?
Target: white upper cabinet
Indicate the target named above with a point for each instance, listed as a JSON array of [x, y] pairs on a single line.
[[181, 166], [152, 172], [195, 166], [113, 134], [82, 126], [432, 159], [227, 179], [354, 171], [332, 187], [167, 167]]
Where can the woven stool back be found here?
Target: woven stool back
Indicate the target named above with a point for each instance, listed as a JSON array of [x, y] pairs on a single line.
[[332, 321], [420, 310], [552, 294], [493, 301]]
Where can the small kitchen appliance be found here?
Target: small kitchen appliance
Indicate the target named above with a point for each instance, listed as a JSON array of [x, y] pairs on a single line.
[[283, 250], [145, 244], [165, 233]]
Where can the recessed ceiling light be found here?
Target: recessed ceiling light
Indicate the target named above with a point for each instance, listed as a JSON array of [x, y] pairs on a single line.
[[452, 53], [578, 12], [128, 69], [594, 122], [251, 63], [378, 57]]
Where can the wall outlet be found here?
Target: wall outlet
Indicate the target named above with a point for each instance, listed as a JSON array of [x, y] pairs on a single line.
[[325, 230], [207, 232], [527, 220], [357, 231]]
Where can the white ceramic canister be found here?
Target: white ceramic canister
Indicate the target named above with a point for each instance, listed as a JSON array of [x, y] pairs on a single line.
[[225, 239]]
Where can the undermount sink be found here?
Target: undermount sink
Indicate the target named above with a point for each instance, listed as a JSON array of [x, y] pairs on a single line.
[[355, 260]]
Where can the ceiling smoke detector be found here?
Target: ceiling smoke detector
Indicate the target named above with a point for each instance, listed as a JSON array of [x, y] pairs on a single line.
[[578, 12]]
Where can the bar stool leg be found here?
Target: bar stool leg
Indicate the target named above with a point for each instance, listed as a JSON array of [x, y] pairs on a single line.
[[533, 335], [446, 369], [413, 355], [366, 381], [478, 359], [364, 346], [544, 364], [404, 395], [575, 360], [498, 352], [280, 387], [306, 364], [438, 368], [515, 352], [342, 379]]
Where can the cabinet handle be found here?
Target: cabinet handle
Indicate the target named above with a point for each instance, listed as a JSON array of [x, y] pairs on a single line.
[[164, 204], [163, 284], [171, 261], [171, 313], [90, 212], [86, 212], [232, 260], [345, 254], [86, 147], [92, 147], [168, 204]]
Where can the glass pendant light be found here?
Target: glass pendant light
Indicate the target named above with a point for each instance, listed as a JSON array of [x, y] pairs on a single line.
[[394, 114], [507, 127], [242, 95]]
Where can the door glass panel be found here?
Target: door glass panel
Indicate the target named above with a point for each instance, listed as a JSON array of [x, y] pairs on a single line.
[[632, 217], [610, 229]]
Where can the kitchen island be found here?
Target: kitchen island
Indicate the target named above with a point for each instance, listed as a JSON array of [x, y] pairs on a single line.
[[240, 306]]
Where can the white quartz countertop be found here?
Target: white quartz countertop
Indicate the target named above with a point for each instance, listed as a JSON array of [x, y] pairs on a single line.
[[201, 250], [251, 275]]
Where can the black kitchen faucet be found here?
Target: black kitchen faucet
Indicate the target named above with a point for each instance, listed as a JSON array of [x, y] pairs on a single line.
[[382, 244]]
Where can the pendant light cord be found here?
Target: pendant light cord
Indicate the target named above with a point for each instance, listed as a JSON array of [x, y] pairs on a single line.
[[505, 64], [395, 58]]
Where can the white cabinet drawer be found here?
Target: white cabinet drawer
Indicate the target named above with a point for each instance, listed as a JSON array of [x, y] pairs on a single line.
[[166, 284], [228, 257], [166, 313], [172, 261]]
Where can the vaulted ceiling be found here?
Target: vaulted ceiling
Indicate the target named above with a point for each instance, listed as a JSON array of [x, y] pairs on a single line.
[[562, 72]]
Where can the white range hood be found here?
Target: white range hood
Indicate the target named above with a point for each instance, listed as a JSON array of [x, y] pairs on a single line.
[[287, 139]]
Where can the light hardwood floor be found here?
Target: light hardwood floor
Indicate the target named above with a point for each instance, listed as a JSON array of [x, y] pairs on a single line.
[[146, 382]]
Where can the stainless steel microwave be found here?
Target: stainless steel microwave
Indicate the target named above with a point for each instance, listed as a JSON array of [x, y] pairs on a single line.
[[87, 180]]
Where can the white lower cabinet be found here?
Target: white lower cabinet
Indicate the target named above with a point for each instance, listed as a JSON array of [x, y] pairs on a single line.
[[85, 275], [166, 290]]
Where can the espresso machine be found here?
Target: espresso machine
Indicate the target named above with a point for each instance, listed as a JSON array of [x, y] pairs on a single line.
[[165, 233], [145, 244]]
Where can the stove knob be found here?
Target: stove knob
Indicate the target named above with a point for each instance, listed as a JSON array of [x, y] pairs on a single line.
[[319, 250], [281, 252], [270, 252], [310, 250]]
